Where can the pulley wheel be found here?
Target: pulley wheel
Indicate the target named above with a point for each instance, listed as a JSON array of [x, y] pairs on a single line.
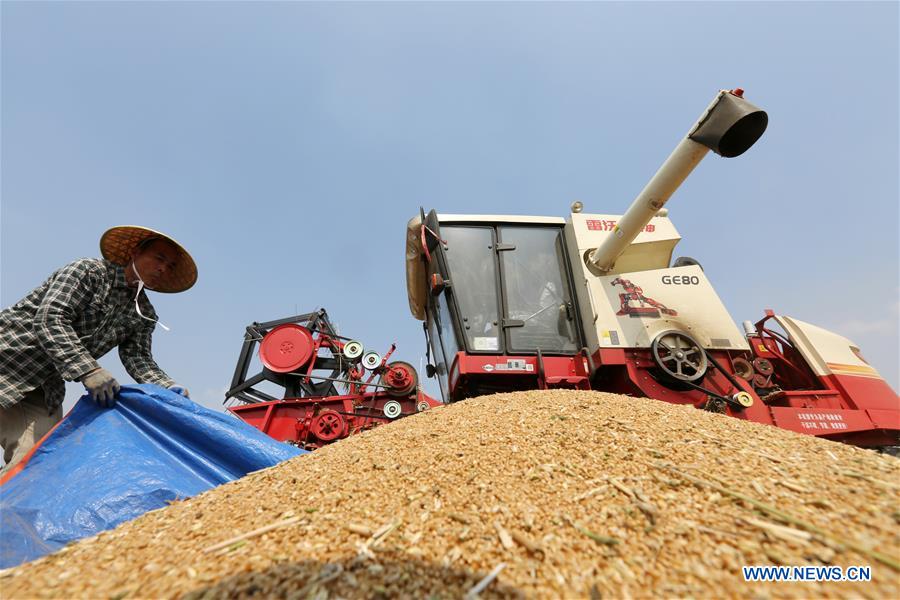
[[353, 350], [286, 348], [761, 381], [392, 409], [763, 366], [744, 399], [743, 368], [679, 355], [422, 406], [328, 425], [400, 378], [371, 360]]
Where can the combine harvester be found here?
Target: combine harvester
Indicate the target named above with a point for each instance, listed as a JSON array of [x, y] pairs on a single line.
[[595, 302]]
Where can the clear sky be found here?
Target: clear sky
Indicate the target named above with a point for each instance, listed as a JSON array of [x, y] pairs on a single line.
[[287, 144]]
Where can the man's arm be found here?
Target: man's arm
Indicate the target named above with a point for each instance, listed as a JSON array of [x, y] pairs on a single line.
[[71, 288], [137, 358]]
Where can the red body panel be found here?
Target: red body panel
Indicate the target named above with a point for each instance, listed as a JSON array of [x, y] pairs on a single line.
[[315, 421], [859, 410], [487, 373], [865, 392], [820, 421], [639, 380]]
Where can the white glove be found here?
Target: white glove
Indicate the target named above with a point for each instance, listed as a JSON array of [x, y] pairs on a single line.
[[102, 387]]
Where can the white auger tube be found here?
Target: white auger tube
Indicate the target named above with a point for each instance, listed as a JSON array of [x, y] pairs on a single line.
[[728, 127]]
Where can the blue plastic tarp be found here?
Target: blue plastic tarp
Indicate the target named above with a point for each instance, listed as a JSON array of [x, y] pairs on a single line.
[[101, 467]]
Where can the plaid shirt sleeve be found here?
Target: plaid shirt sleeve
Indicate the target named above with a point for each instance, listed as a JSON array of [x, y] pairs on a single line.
[[137, 358], [70, 289]]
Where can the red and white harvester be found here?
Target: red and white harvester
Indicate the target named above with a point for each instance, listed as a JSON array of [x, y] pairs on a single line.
[[331, 385], [595, 301]]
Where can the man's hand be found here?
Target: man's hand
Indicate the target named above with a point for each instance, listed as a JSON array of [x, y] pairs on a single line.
[[102, 387], [180, 389]]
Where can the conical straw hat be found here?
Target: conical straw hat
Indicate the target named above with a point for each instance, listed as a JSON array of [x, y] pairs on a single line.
[[118, 243]]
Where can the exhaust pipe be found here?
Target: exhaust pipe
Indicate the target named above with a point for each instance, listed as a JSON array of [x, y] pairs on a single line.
[[728, 127]]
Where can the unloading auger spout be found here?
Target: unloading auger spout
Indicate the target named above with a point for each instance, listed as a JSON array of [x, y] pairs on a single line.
[[728, 127]]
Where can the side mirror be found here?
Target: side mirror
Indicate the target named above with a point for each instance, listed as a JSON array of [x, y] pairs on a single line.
[[438, 284]]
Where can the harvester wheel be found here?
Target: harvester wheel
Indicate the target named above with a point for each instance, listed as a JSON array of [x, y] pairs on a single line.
[[399, 378], [763, 366], [371, 360], [392, 409], [744, 399], [353, 350], [679, 355], [286, 348], [328, 425], [761, 381], [743, 368]]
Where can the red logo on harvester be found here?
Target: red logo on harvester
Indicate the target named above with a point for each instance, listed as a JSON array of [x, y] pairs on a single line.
[[636, 304], [609, 225]]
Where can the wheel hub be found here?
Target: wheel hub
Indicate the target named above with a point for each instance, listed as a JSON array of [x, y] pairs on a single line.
[[328, 425], [679, 355], [399, 378]]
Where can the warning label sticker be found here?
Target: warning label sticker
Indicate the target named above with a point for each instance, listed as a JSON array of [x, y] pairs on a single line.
[[821, 421], [486, 343], [512, 364]]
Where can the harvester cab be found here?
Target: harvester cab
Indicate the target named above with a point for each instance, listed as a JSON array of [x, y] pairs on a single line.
[[492, 290], [596, 302]]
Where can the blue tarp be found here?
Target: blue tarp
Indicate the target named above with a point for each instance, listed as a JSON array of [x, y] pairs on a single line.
[[102, 466]]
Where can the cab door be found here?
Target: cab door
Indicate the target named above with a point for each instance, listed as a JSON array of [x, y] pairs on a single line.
[[538, 307], [465, 313]]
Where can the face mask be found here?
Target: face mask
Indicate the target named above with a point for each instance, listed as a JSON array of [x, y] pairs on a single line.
[[137, 305]]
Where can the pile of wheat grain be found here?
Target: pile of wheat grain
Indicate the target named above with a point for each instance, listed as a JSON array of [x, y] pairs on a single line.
[[541, 494]]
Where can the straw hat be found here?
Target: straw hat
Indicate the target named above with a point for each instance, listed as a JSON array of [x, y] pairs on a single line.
[[118, 243]]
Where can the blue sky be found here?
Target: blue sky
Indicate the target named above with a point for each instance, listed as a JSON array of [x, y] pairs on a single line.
[[287, 144]]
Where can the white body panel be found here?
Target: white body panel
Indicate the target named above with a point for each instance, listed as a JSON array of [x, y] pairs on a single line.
[[654, 287], [652, 248], [826, 353], [699, 311]]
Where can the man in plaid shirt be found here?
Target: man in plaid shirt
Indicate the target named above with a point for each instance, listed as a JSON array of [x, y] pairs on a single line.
[[80, 313]]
